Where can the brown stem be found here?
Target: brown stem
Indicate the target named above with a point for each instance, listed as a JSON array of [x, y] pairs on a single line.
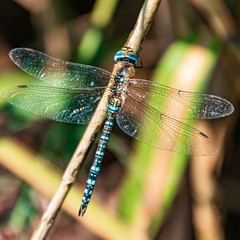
[[134, 41], [142, 25]]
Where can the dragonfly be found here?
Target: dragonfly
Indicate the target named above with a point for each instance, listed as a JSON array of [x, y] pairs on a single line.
[[145, 110]]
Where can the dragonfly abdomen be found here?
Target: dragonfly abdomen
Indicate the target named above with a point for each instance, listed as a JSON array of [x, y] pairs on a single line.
[[95, 168]]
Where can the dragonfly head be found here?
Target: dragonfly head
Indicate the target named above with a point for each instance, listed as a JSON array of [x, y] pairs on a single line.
[[126, 54]]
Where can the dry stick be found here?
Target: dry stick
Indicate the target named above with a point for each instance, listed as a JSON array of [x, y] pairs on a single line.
[[134, 41], [142, 25]]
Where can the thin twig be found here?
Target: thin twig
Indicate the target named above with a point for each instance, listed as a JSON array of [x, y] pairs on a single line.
[[134, 41], [142, 25]]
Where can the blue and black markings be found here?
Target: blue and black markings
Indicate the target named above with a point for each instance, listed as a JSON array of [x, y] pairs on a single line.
[[130, 59]]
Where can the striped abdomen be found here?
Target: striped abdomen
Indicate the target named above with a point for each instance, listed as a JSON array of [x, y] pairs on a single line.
[[113, 107]]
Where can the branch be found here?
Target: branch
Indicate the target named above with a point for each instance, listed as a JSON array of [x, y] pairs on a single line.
[[134, 41], [142, 25]]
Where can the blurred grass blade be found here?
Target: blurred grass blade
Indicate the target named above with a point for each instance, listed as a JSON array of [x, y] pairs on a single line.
[[89, 45], [102, 13], [23, 211], [44, 177], [101, 16]]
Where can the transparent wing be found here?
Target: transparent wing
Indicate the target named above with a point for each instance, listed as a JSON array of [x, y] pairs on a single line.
[[57, 72], [59, 104], [179, 104], [158, 130]]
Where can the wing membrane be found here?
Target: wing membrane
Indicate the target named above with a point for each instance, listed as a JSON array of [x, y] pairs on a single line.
[[59, 104], [180, 104], [158, 130], [57, 72]]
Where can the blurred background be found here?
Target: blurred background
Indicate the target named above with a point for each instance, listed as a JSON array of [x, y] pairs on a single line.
[[141, 193]]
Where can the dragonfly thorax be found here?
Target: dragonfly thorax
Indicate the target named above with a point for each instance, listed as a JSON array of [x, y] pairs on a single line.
[[124, 69], [121, 85]]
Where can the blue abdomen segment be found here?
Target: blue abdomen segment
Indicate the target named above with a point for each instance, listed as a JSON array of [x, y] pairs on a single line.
[[95, 168]]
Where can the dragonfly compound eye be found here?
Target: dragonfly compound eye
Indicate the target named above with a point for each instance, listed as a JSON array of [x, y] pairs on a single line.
[[126, 54]]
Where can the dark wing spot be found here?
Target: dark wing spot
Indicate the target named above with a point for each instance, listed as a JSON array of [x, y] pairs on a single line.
[[22, 86], [179, 92], [204, 135]]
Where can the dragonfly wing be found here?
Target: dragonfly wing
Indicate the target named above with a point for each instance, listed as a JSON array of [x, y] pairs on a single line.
[[59, 104], [179, 104], [156, 129], [57, 72]]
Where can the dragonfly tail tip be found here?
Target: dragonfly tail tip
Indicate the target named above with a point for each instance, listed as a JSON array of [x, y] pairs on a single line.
[[82, 211]]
